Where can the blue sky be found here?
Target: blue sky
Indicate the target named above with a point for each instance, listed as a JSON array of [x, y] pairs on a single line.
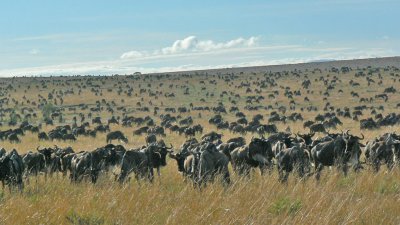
[[109, 37]]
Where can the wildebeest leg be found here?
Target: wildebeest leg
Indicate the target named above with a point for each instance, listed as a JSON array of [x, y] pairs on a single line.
[[158, 171], [151, 175], [376, 165], [344, 168], [318, 170], [227, 179], [389, 163], [262, 169], [280, 176], [285, 178]]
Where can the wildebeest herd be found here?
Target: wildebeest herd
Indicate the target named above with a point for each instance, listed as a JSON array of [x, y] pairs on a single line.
[[201, 161], [293, 121]]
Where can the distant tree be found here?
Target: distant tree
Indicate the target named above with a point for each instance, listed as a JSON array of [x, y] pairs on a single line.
[[47, 110]]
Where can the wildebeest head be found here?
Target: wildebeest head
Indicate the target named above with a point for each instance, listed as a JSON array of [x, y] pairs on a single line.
[[306, 137], [46, 152], [180, 159], [184, 152], [260, 150], [157, 154], [352, 151]]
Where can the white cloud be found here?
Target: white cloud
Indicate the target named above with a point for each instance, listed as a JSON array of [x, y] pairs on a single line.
[[181, 45], [132, 54], [192, 44]]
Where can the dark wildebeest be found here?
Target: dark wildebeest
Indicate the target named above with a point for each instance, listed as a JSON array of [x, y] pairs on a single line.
[[11, 170], [318, 127], [343, 149], [230, 145], [91, 163], [69, 137], [151, 138], [116, 135], [212, 163], [143, 161], [212, 136], [80, 164], [268, 128], [278, 147], [43, 136], [113, 120], [66, 163], [382, 149], [52, 161], [296, 157], [257, 154], [34, 163], [307, 138], [184, 157], [13, 138]]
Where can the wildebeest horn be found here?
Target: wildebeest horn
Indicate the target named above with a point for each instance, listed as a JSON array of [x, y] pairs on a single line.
[[362, 137], [347, 132], [252, 138], [37, 149], [159, 154]]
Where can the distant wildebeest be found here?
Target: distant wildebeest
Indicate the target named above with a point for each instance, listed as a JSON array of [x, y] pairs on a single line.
[[116, 135], [318, 127], [43, 136]]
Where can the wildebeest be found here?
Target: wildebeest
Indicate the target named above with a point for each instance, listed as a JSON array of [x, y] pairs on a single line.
[[212, 136], [257, 154], [13, 138], [318, 127], [212, 163], [34, 163], [11, 170], [43, 136], [307, 138], [339, 151], [143, 161], [91, 163], [184, 157], [382, 149], [116, 135], [268, 128], [151, 138], [296, 157]]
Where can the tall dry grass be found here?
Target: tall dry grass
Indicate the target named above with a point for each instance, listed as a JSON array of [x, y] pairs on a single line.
[[363, 198]]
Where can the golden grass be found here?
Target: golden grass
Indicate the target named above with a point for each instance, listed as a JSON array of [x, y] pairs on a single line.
[[363, 198]]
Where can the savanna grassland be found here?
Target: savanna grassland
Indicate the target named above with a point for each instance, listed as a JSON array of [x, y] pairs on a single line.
[[360, 198]]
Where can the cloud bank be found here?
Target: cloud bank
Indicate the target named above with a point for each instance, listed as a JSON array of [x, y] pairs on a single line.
[[192, 44], [192, 53]]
